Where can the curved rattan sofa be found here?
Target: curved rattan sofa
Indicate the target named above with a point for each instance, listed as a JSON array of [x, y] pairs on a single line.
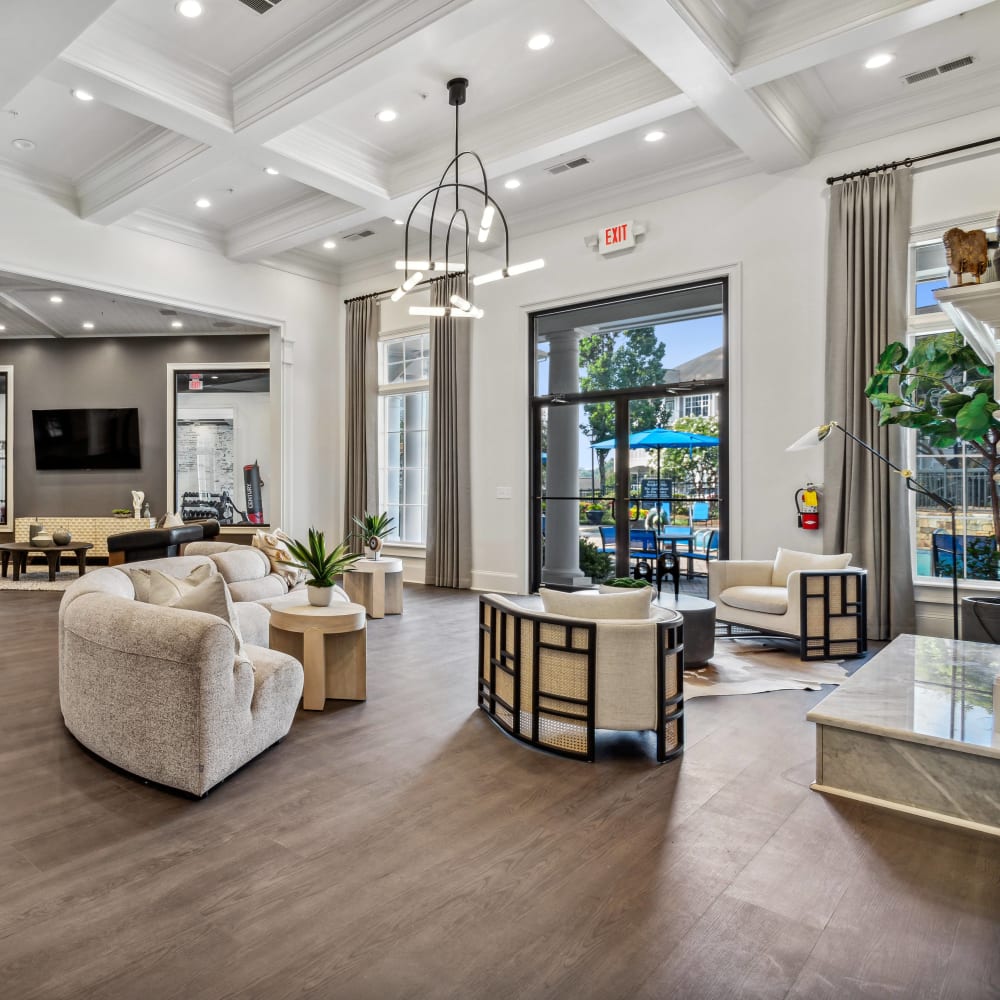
[[159, 691], [569, 677]]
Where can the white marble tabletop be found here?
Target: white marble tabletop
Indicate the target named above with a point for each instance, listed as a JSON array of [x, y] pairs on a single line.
[[922, 689]]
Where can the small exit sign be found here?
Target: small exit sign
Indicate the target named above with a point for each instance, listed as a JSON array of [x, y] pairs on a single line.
[[617, 236]]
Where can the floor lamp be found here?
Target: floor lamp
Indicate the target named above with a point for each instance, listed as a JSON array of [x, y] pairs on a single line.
[[819, 434]]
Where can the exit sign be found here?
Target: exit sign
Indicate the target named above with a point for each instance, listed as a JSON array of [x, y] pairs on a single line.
[[616, 236]]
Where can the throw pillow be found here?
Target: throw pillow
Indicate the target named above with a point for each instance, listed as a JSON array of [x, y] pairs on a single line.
[[172, 521], [153, 587], [788, 560], [211, 596], [273, 545], [626, 605]]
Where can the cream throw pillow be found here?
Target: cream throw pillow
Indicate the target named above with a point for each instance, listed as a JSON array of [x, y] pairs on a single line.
[[211, 596], [788, 560], [626, 605], [172, 521], [153, 587], [273, 545]]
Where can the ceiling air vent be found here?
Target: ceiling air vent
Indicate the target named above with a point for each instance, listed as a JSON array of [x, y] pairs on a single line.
[[948, 67], [261, 6], [561, 168], [362, 234], [168, 312]]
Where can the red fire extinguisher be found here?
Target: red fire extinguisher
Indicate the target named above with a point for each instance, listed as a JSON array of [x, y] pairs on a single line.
[[807, 504]]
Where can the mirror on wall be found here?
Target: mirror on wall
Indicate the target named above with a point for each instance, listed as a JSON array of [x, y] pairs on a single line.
[[222, 435], [6, 438]]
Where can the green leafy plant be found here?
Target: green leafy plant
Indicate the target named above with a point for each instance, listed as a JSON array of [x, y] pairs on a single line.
[[594, 563], [322, 566], [626, 583], [942, 389], [374, 526], [120, 511]]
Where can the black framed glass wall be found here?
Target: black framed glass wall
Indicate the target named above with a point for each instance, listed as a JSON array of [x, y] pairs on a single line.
[[628, 424], [222, 457], [6, 437]]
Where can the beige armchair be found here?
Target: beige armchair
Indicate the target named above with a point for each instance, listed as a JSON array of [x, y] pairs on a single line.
[[553, 680], [819, 600]]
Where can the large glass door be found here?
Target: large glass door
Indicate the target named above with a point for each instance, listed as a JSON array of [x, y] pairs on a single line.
[[653, 368]]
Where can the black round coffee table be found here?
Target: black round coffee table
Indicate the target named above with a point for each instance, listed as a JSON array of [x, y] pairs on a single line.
[[52, 553]]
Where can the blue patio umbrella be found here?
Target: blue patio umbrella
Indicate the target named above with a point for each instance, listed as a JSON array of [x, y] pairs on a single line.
[[659, 438]]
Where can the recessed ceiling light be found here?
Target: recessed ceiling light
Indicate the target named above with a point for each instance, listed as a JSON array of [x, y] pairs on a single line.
[[387, 115], [271, 171], [177, 324], [55, 299], [879, 60], [654, 136], [203, 203], [2, 328], [190, 8], [539, 42], [87, 326], [215, 378], [25, 145], [512, 184], [82, 95], [329, 244], [398, 222]]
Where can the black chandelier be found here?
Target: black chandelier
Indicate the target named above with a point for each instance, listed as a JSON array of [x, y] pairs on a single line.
[[459, 227]]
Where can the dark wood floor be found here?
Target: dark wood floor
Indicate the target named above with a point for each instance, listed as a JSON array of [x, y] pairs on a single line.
[[405, 848]]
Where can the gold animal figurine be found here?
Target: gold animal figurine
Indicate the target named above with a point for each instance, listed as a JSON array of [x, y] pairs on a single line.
[[967, 253]]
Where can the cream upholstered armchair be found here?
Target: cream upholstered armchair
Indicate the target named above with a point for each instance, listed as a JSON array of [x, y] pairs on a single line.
[[817, 599], [552, 679]]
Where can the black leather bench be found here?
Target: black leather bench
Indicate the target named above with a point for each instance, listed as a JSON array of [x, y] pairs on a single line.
[[158, 543]]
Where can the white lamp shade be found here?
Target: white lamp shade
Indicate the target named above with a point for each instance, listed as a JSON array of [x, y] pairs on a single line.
[[811, 438]]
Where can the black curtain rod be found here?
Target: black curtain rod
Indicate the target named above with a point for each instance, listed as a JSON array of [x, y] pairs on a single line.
[[389, 291], [910, 160]]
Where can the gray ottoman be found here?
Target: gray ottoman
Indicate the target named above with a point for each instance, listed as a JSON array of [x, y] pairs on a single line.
[[699, 627]]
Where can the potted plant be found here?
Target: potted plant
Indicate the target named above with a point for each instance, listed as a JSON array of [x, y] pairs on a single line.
[[374, 529], [626, 583], [322, 566], [942, 389], [593, 562], [594, 512]]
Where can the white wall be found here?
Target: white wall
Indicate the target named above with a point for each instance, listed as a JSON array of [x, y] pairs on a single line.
[[769, 233], [42, 238]]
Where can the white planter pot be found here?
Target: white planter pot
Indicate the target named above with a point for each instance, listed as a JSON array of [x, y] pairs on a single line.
[[320, 597]]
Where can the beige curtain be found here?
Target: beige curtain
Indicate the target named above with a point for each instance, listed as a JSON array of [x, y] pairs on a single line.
[[361, 417], [449, 505], [866, 510]]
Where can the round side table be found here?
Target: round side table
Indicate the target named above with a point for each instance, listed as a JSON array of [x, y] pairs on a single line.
[[699, 627], [377, 584], [329, 642]]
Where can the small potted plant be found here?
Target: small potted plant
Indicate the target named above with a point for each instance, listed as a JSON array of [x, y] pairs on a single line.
[[594, 513], [625, 583], [322, 566], [375, 528]]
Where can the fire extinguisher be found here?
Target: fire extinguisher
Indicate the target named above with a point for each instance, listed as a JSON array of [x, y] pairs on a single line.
[[807, 504]]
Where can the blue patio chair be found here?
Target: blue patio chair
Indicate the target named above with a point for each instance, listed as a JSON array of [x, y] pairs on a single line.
[[607, 539], [699, 512], [704, 548]]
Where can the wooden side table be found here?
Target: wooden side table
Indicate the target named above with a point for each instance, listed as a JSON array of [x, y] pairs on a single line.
[[377, 584], [329, 642], [53, 553]]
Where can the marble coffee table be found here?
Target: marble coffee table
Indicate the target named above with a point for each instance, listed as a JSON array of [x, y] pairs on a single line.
[[914, 730]]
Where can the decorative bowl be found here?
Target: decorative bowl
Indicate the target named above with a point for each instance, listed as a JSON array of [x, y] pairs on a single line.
[[61, 537], [43, 540]]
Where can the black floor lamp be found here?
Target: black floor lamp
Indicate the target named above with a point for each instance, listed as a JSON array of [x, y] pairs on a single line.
[[819, 434]]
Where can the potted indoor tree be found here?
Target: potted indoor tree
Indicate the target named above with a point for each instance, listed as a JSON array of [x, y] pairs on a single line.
[[322, 566], [374, 529]]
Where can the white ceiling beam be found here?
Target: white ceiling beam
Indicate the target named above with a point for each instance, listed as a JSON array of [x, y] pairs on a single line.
[[18, 306], [35, 33], [658, 30], [809, 34]]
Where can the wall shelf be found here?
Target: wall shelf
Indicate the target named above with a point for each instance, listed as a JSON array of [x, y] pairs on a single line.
[[975, 311]]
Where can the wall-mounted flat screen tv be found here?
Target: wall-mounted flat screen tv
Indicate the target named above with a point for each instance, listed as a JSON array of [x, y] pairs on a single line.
[[86, 439]]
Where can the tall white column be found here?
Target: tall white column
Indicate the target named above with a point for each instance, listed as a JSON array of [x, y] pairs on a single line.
[[562, 517]]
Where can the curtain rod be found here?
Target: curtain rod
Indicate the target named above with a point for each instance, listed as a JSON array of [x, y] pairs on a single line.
[[388, 291], [910, 160]]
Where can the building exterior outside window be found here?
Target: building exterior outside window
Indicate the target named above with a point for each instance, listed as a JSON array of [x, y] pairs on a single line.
[[701, 405], [404, 398]]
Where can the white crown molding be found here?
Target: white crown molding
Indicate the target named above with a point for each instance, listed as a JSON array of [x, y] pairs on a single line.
[[286, 227], [969, 91], [716, 27], [935, 230], [613, 92], [155, 163], [168, 227], [302, 264], [111, 50], [789, 105], [39, 182], [301, 75], [797, 34]]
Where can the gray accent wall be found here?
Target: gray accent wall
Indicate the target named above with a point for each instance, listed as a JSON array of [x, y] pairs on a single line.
[[103, 372]]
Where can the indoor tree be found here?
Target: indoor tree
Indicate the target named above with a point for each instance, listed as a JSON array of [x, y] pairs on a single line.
[[942, 389]]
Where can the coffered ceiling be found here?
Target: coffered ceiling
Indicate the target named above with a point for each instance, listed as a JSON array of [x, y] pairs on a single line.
[[188, 109]]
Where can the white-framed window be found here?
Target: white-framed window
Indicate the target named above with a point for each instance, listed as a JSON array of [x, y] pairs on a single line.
[[403, 404], [958, 473], [701, 405]]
